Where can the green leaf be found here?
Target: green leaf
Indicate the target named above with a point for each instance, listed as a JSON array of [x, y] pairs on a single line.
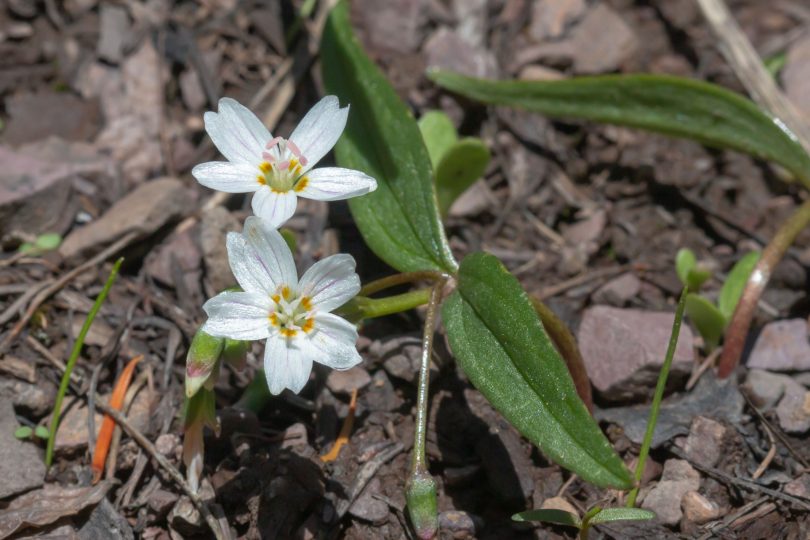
[[606, 515], [685, 261], [462, 164], [500, 344], [439, 134], [559, 517], [706, 318], [400, 220], [41, 432], [23, 432], [673, 106], [735, 284], [48, 241]]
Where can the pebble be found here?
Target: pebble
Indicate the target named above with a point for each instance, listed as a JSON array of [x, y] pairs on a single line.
[[677, 479], [800, 487], [704, 445], [345, 382], [698, 509], [623, 350], [618, 291], [460, 524], [765, 388], [793, 410], [31, 400], [782, 346]]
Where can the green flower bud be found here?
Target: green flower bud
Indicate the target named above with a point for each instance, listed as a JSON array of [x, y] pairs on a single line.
[[201, 361], [420, 494]]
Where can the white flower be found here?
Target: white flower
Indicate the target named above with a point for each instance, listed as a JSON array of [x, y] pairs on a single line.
[[279, 170], [293, 315]]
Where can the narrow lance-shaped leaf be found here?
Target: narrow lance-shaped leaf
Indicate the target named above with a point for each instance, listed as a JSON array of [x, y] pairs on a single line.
[[674, 106], [400, 220], [706, 318], [558, 517], [735, 283], [501, 346], [607, 515]]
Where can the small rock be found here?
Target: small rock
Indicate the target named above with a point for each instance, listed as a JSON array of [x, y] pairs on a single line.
[[166, 444], [664, 499], [698, 509], [782, 346], [473, 201], [793, 410], [586, 232], [652, 470], [796, 74], [402, 358], [143, 211], [380, 395], [185, 518], [215, 225], [602, 42], [559, 503], [105, 523], [446, 49], [31, 400], [551, 17], [623, 350], [345, 382], [618, 291], [184, 250], [704, 445], [161, 501], [765, 388], [22, 467], [800, 487], [460, 524], [98, 335], [369, 508], [114, 29]]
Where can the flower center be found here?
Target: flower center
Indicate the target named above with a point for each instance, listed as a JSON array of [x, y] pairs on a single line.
[[293, 313], [283, 166]]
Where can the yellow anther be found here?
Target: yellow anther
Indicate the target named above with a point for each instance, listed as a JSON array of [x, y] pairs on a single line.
[[301, 184]]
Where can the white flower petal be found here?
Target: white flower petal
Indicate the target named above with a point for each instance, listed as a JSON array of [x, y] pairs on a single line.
[[285, 365], [334, 340], [320, 129], [236, 132], [227, 177], [251, 273], [335, 183], [331, 282], [274, 207], [269, 261], [238, 315]]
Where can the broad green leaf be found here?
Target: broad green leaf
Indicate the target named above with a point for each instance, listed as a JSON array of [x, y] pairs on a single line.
[[500, 344], [735, 284], [706, 318], [462, 164], [674, 106], [697, 277], [685, 261], [606, 515], [23, 432], [41, 432], [400, 220], [48, 241], [558, 517], [439, 134]]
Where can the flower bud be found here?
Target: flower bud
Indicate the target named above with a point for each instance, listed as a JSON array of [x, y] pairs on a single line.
[[201, 361], [420, 495]]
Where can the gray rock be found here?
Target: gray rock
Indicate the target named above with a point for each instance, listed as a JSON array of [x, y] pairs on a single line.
[[105, 523], [704, 445], [664, 499], [618, 291], [721, 397], [782, 346], [765, 388], [22, 467], [623, 350], [214, 227], [698, 509], [143, 211], [602, 42], [345, 382], [793, 410], [402, 357], [31, 400], [369, 508]]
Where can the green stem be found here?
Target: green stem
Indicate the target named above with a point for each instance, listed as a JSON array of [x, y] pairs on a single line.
[[74, 356], [399, 279], [659, 395], [361, 307], [420, 491]]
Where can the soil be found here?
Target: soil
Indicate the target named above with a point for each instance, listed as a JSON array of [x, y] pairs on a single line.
[[567, 206]]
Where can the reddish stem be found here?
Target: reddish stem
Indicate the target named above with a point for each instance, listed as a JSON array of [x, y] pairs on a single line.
[[744, 313]]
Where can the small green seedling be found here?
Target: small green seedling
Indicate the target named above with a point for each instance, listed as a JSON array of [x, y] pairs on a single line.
[[457, 163], [25, 432], [44, 242], [594, 516], [711, 320]]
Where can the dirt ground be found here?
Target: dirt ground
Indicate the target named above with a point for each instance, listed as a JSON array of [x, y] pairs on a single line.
[[101, 109]]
